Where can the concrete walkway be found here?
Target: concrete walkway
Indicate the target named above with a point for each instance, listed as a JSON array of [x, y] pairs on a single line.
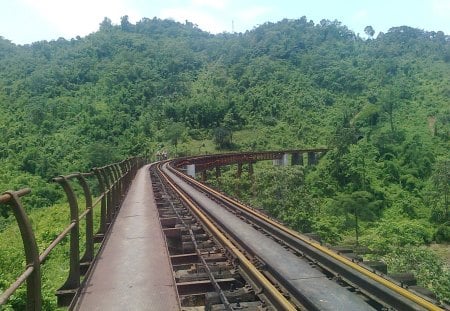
[[133, 270]]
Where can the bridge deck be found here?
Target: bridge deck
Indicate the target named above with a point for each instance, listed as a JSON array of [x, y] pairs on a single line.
[[133, 270]]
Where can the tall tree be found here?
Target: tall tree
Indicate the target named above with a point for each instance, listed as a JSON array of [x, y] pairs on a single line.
[[441, 183], [369, 31]]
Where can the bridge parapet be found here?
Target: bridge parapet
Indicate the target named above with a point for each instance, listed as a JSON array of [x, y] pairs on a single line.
[[113, 181]]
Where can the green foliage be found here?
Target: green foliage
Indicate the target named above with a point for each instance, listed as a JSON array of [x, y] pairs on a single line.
[[47, 224], [380, 104], [223, 138], [391, 234], [440, 191], [428, 269], [442, 234]]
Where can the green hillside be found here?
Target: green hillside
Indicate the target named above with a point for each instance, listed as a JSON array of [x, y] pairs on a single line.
[[381, 104]]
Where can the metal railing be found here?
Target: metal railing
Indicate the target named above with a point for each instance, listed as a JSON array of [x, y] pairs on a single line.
[[113, 181]]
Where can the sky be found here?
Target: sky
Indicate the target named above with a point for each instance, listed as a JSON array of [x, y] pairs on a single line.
[[27, 21]]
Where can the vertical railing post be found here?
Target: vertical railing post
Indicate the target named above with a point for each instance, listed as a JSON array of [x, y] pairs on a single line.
[[136, 164], [133, 166], [66, 293], [34, 297], [88, 256], [117, 195], [112, 181], [119, 181], [125, 175], [130, 172], [102, 228], [123, 167], [107, 180]]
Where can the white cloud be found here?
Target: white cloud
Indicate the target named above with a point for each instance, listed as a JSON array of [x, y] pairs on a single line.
[[80, 17]]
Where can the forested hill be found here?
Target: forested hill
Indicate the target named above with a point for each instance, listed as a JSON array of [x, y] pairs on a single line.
[[381, 104], [134, 89]]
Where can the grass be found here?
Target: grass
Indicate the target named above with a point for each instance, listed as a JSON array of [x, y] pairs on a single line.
[[47, 224], [443, 251]]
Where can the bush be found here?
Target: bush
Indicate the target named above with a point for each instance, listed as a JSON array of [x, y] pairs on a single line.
[[391, 234], [429, 270], [442, 233]]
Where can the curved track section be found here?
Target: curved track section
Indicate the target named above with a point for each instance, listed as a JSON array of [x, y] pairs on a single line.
[[315, 283], [304, 282]]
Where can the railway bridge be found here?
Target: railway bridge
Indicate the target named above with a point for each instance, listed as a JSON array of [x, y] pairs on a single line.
[[156, 238]]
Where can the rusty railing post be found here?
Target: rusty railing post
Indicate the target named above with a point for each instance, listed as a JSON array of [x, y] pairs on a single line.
[[117, 195], [123, 167], [130, 172], [88, 256], [102, 228], [109, 203], [135, 165], [34, 296], [127, 173], [112, 187], [119, 182], [66, 292]]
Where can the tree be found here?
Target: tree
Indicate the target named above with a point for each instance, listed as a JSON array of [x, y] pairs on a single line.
[[441, 184], [106, 25], [222, 137], [360, 204], [390, 105], [357, 161], [125, 25], [99, 154], [174, 133], [369, 31]]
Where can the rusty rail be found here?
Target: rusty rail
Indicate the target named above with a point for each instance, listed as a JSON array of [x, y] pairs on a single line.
[[113, 181]]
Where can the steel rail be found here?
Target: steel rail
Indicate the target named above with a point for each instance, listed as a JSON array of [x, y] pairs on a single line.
[[349, 263], [280, 300], [211, 277]]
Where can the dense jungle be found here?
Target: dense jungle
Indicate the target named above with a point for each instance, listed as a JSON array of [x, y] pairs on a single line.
[[380, 103]]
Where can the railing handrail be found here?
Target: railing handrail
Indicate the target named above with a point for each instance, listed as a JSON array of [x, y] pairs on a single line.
[[114, 181]]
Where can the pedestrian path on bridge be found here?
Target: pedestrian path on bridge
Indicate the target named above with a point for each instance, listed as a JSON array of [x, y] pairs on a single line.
[[132, 271]]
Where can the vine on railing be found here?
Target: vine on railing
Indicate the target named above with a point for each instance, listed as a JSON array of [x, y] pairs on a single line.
[[113, 181]]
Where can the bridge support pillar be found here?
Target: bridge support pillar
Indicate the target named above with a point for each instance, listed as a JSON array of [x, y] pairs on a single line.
[[239, 170], [297, 158], [283, 161], [204, 175], [319, 155], [250, 169], [190, 170], [217, 171], [312, 158]]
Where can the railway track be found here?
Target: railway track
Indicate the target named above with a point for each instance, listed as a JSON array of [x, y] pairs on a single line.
[[284, 269]]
